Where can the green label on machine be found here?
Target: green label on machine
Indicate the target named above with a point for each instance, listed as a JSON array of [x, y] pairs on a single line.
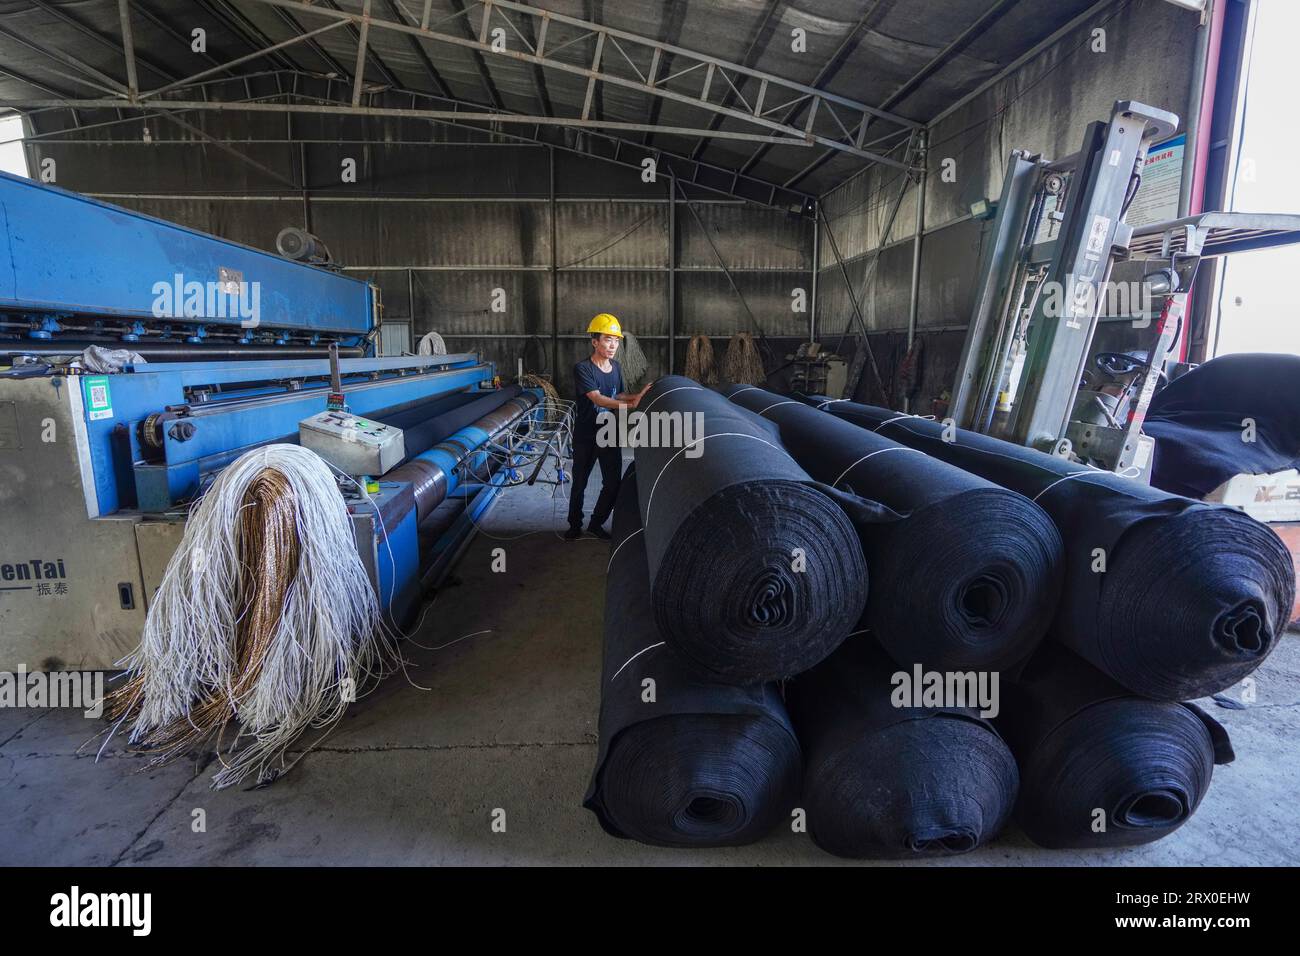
[[99, 399]]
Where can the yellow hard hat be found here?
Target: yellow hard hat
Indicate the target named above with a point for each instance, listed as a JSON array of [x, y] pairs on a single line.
[[605, 324]]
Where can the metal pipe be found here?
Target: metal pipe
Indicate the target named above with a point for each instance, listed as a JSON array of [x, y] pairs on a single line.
[[1203, 83], [917, 236], [432, 474], [188, 353]]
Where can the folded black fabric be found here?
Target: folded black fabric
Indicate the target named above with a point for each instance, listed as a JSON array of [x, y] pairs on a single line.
[[699, 764], [964, 574], [1173, 598], [890, 782], [1201, 420], [1099, 766], [756, 573]]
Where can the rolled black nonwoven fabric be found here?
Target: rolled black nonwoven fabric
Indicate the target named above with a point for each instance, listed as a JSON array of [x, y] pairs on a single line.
[[704, 763], [964, 574], [890, 782], [425, 426], [1192, 597], [756, 573], [1198, 421], [1094, 756]]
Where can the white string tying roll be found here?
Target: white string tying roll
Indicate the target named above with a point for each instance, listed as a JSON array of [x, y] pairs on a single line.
[[266, 617]]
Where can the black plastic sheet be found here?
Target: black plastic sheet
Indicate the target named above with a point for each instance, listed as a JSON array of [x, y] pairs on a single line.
[[1173, 598], [704, 763], [756, 573], [890, 782], [964, 574], [1101, 767], [1200, 421]]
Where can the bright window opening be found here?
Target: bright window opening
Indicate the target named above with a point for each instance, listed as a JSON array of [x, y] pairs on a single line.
[[1259, 311], [13, 158]]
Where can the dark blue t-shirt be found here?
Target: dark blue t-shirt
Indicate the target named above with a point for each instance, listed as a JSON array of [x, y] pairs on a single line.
[[587, 377]]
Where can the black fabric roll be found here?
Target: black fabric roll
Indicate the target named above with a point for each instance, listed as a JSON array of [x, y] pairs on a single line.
[[756, 573], [964, 574], [1198, 421], [704, 764], [890, 782], [1193, 596], [416, 412], [425, 425], [1099, 766]]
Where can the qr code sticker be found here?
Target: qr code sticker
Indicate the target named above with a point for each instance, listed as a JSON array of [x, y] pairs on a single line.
[[98, 396]]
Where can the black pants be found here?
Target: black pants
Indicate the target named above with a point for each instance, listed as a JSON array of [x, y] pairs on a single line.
[[585, 455]]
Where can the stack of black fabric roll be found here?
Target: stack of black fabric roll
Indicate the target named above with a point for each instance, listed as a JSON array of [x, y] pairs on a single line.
[[683, 761], [738, 586], [1172, 598], [1165, 599], [756, 573], [964, 573]]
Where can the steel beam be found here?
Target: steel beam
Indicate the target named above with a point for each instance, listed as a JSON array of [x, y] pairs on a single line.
[[102, 81], [968, 36], [681, 167], [646, 47], [90, 33], [256, 54], [128, 49], [241, 106], [359, 71]]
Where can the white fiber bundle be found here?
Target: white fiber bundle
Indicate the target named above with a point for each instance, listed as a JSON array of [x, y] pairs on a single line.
[[265, 616]]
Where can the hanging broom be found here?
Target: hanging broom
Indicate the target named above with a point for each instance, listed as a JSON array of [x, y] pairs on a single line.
[[699, 360]]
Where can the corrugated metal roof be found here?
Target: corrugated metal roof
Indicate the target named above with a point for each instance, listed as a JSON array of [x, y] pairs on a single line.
[[911, 57]]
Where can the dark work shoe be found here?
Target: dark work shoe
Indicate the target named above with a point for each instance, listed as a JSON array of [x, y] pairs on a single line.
[[598, 531], [573, 534]]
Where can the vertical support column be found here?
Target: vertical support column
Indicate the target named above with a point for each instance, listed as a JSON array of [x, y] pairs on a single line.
[[555, 279], [306, 188], [410, 300], [816, 264], [672, 273], [917, 237]]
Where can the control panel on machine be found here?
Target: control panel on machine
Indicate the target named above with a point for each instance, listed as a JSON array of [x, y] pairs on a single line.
[[355, 445]]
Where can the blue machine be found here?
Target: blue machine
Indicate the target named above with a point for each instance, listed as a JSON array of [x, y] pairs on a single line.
[[96, 470], [79, 269]]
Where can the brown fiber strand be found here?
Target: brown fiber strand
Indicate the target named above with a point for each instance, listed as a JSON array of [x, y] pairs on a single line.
[[699, 360], [554, 410], [742, 365], [269, 550]]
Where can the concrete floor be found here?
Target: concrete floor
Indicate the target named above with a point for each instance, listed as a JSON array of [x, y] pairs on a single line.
[[506, 718]]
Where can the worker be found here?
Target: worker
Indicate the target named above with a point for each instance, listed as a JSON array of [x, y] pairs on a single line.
[[598, 381]]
